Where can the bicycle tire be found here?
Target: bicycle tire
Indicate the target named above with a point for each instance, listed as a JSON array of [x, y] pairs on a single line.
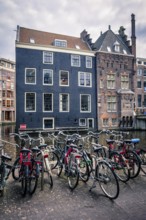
[[16, 169], [120, 166], [33, 179], [24, 180], [83, 169], [134, 163], [142, 155], [53, 159], [73, 174], [107, 179], [59, 168], [47, 170]]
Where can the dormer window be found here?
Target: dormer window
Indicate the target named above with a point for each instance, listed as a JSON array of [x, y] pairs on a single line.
[[60, 43], [32, 40], [116, 47]]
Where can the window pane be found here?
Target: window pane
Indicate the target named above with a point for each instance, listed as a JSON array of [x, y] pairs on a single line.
[[30, 101], [88, 62], [48, 57], [48, 123], [47, 102], [75, 60], [64, 78], [64, 102], [30, 76], [85, 102], [48, 77]]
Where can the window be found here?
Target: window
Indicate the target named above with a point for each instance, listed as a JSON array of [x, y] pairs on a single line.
[[8, 103], [139, 100], [117, 46], [108, 49], [47, 77], [30, 102], [75, 60], [144, 72], [144, 103], [124, 82], [85, 79], [32, 40], [64, 78], [144, 85], [85, 103], [111, 103], [111, 81], [60, 43], [48, 123], [64, 103], [139, 84], [30, 76], [114, 121], [47, 102], [139, 72], [47, 57], [144, 63], [139, 62], [82, 122], [101, 84], [88, 62], [105, 122]]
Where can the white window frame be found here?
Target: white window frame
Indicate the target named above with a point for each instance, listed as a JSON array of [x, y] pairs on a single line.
[[88, 62], [60, 102], [111, 81], [84, 79], [81, 124], [111, 103], [48, 118], [92, 119], [25, 102], [34, 83], [51, 103], [51, 57], [124, 82], [60, 43], [89, 104], [61, 71], [49, 71], [75, 60]]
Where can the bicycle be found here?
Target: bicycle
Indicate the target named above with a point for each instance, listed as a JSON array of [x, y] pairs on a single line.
[[5, 169]]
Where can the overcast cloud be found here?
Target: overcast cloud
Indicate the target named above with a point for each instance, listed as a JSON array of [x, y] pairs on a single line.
[[70, 17]]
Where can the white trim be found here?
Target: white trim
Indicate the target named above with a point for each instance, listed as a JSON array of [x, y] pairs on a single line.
[[54, 49], [25, 102], [72, 59], [43, 101], [51, 118], [35, 76], [51, 57]]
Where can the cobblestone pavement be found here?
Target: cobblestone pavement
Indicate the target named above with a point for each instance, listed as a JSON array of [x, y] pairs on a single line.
[[62, 204]]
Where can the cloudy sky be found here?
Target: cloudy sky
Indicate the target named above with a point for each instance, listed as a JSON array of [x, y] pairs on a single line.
[[70, 17]]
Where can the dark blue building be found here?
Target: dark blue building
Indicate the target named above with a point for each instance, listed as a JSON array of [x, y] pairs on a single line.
[[55, 81]]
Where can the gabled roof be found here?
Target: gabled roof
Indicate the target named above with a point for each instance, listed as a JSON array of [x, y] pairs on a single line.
[[108, 40], [46, 38]]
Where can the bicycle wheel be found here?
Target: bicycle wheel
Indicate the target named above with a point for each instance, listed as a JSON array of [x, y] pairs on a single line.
[[107, 179], [142, 155], [60, 167], [16, 169], [53, 160], [24, 180], [33, 179], [73, 174], [83, 169], [47, 173], [134, 163], [120, 166]]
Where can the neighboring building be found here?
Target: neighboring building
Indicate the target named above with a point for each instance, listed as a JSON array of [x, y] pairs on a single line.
[[55, 81], [65, 81], [7, 91], [140, 95]]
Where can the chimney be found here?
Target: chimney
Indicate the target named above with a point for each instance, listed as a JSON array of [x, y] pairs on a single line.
[[133, 37]]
